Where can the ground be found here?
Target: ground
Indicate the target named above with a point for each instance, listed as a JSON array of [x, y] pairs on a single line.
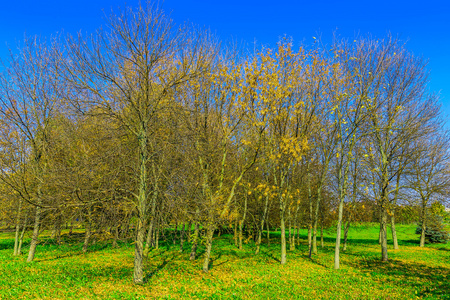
[[65, 272]]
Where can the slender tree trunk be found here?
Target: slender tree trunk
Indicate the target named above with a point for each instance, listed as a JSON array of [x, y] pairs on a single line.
[[258, 239], [314, 239], [291, 247], [19, 248], [316, 212], [241, 223], [268, 230], [189, 231], [309, 239], [347, 227], [384, 250], [148, 240], [138, 274], [296, 226], [310, 223], [34, 237], [422, 235], [158, 229], [321, 236], [71, 228], [261, 228], [424, 225], [342, 176], [194, 242], [209, 240], [316, 219], [142, 199], [394, 232], [87, 236], [37, 217], [16, 239], [379, 234], [58, 232], [151, 226], [283, 236], [175, 233], [116, 236], [236, 235], [182, 236], [338, 235]]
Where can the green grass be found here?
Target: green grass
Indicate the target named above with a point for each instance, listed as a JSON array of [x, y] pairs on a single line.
[[64, 272]]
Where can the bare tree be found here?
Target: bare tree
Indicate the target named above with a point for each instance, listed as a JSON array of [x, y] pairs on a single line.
[[28, 98], [131, 73], [400, 111], [428, 175]]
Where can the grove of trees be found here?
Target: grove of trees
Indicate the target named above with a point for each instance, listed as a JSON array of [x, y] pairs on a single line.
[[147, 126]]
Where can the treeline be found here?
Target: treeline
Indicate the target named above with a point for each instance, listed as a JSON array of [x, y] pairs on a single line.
[[153, 126]]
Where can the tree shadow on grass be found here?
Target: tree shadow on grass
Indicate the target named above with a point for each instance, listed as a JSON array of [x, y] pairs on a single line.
[[6, 244], [354, 241], [443, 249], [159, 267], [65, 255], [427, 280], [76, 252]]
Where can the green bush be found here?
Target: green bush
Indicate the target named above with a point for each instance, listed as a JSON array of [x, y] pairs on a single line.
[[435, 231]]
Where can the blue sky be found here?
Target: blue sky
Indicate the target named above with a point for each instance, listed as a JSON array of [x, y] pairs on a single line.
[[424, 25]]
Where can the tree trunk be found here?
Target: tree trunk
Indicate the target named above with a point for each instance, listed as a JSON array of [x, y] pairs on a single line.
[[383, 229], [347, 227], [321, 236], [261, 228], [142, 199], [241, 223], [182, 236], [138, 274], [424, 226], [116, 236], [291, 239], [148, 240], [189, 231], [16, 239], [34, 237], [194, 242], [236, 235], [314, 239], [309, 238], [283, 237], [151, 227], [58, 232], [422, 235], [316, 219], [158, 229], [258, 240], [338, 235], [87, 236], [379, 234], [241, 236], [291, 246], [209, 240], [394, 232], [19, 247]]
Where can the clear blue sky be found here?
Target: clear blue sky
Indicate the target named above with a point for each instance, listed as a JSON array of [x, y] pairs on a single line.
[[425, 25]]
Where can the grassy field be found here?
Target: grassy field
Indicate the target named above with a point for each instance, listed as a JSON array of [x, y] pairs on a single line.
[[64, 272]]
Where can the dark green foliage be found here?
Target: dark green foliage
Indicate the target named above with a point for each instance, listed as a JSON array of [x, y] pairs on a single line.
[[435, 231]]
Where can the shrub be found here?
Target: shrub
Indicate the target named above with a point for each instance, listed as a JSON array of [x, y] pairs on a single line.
[[435, 231]]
